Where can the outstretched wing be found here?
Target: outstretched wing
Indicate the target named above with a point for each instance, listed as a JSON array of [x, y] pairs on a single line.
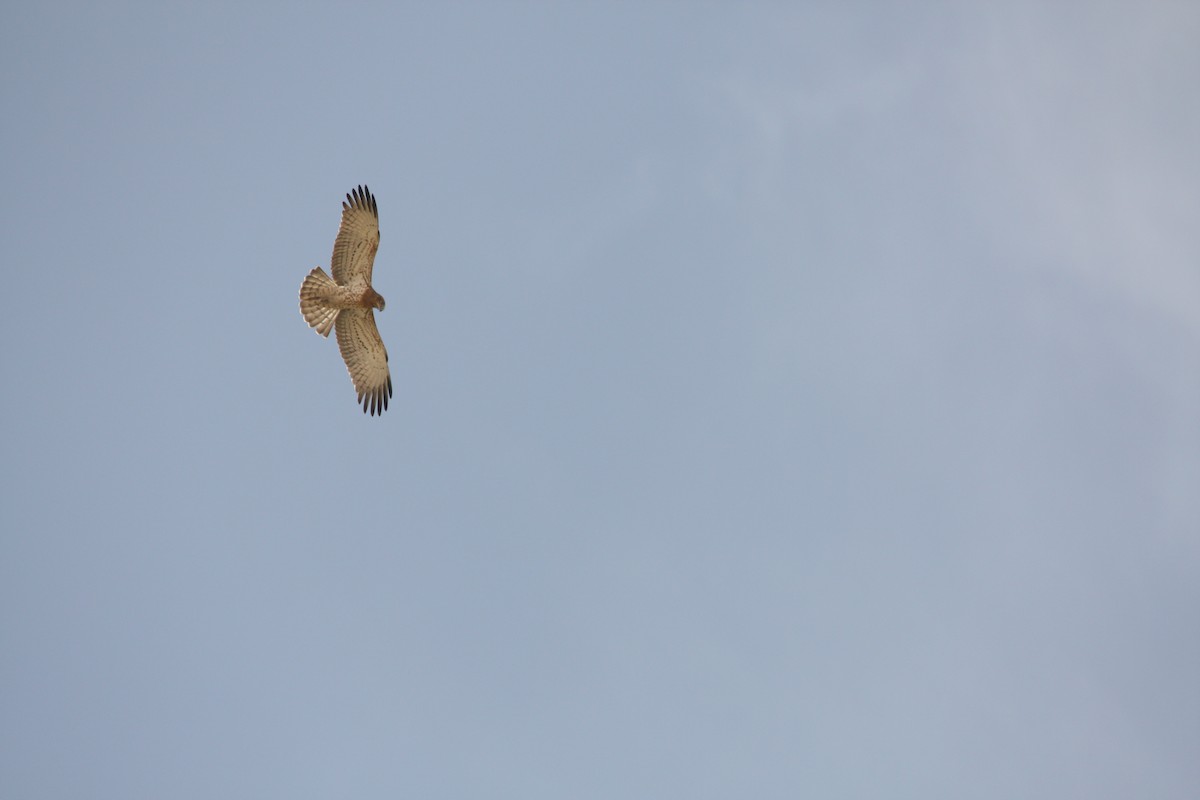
[[357, 239], [365, 357]]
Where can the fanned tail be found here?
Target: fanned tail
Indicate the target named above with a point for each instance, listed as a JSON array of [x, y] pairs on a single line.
[[313, 306]]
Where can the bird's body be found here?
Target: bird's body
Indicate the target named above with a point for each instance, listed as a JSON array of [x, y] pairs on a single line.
[[347, 301]]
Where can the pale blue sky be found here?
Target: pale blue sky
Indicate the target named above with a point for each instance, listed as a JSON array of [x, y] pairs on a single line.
[[791, 400]]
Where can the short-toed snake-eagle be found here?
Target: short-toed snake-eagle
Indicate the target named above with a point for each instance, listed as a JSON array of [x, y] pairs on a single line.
[[346, 302]]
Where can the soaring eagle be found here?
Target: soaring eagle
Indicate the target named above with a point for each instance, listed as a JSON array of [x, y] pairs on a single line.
[[347, 302]]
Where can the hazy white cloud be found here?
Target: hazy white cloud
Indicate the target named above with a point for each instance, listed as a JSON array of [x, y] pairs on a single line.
[[1091, 120]]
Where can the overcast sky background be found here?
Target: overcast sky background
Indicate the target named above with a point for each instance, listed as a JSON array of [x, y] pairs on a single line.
[[791, 400]]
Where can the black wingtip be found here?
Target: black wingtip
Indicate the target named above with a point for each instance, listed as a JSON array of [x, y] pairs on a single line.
[[361, 197], [375, 402]]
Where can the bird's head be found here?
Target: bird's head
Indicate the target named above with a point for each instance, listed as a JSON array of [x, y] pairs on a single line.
[[372, 299]]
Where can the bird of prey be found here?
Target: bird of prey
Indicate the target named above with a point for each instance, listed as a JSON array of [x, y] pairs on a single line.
[[346, 302]]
